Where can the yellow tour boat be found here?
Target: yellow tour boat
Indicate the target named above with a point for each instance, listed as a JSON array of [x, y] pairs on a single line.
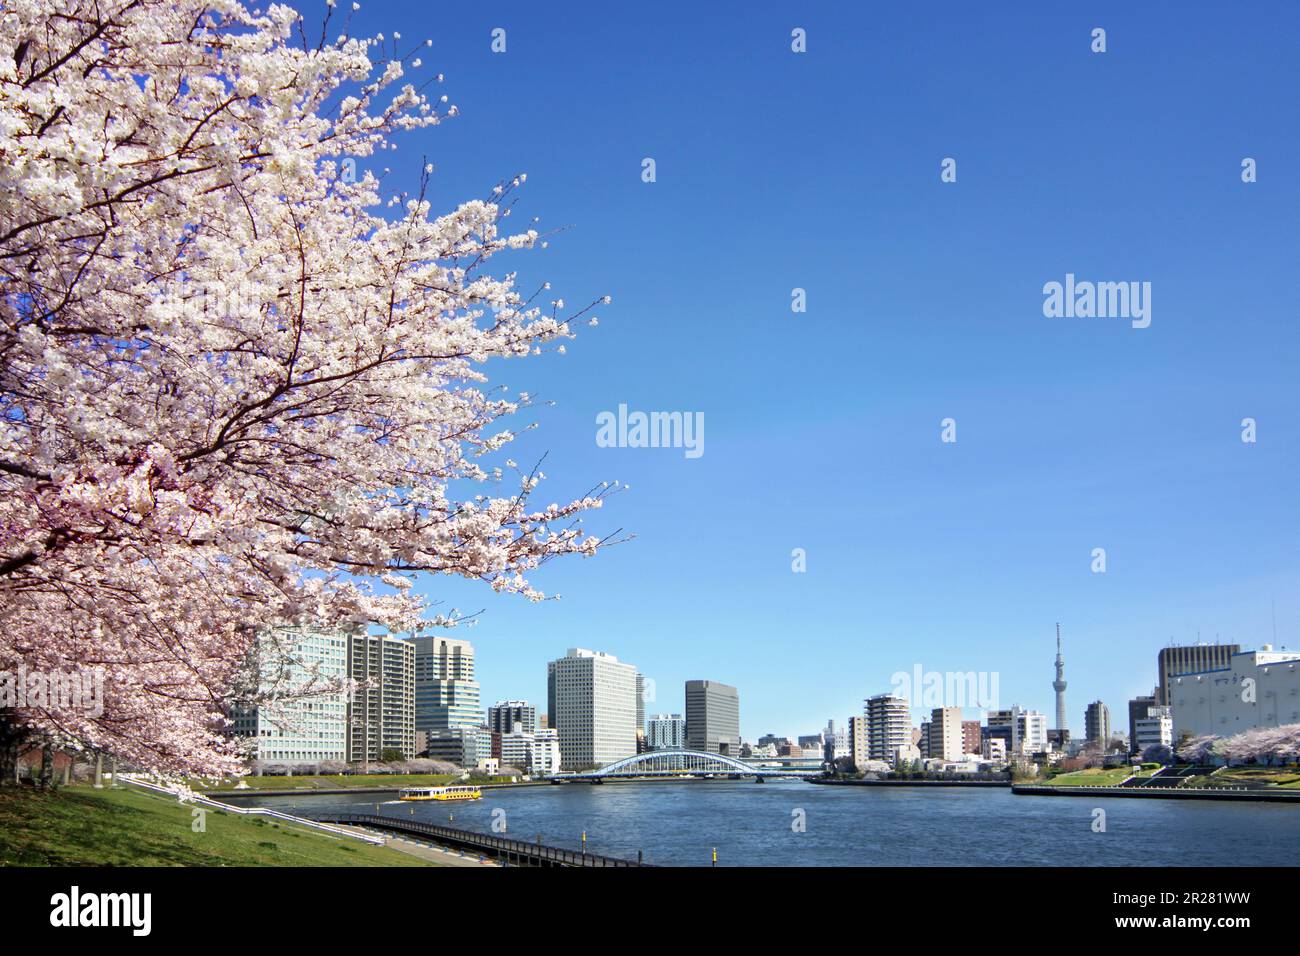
[[439, 793]]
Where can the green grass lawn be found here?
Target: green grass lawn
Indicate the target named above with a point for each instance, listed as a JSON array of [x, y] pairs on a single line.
[[1092, 777], [81, 826], [1288, 777]]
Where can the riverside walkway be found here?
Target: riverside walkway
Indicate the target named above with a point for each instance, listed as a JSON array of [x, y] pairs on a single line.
[[507, 851]]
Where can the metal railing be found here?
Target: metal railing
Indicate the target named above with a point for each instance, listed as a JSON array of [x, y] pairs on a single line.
[[512, 852], [250, 811]]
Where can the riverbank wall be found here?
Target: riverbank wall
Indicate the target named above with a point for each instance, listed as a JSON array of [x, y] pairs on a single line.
[[910, 783], [340, 791], [1243, 795]]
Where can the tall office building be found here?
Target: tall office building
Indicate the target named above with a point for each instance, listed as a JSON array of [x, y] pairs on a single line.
[[591, 701], [1257, 689], [859, 745], [1001, 725], [446, 693], [381, 711], [509, 716], [1190, 659], [945, 734], [640, 702], [712, 717], [889, 726], [1138, 709], [665, 732], [1096, 722], [300, 727]]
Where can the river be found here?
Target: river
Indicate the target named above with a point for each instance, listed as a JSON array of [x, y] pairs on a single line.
[[792, 823]]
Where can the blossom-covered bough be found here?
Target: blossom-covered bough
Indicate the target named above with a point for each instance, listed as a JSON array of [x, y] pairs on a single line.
[[239, 385], [1259, 745]]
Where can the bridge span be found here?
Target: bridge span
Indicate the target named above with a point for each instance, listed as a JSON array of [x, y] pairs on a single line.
[[682, 763]]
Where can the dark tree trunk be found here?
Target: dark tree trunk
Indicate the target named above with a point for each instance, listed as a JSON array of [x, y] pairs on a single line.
[[12, 735], [47, 765]]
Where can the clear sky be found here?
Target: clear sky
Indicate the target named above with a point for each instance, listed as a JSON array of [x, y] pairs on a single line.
[[821, 170]]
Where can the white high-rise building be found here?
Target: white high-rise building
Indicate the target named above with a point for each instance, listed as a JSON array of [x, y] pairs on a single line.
[[535, 752], [544, 756], [945, 741], [302, 727], [516, 747], [1156, 729], [1033, 731], [1024, 731], [889, 726], [665, 732], [1257, 689], [591, 702]]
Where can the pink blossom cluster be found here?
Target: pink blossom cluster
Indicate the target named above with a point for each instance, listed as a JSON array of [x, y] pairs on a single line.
[[1258, 745], [238, 383]]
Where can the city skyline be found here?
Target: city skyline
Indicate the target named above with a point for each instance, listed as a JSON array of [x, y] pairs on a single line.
[[1097, 725], [924, 302], [792, 726]]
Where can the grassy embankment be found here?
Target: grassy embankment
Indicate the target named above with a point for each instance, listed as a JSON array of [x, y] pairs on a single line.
[[1092, 777], [1284, 777], [1287, 778], [81, 826]]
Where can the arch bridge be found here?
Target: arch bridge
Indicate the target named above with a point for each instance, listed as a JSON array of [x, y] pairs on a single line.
[[682, 763]]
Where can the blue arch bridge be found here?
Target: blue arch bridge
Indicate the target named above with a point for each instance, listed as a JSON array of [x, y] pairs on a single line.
[[683, 763]]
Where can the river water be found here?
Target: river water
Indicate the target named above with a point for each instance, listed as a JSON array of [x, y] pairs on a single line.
[[792, 823]]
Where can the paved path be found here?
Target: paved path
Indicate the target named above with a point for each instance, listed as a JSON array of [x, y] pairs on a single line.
[[438, 856]]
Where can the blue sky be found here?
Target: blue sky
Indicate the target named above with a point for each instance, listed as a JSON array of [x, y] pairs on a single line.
[[820, 170]]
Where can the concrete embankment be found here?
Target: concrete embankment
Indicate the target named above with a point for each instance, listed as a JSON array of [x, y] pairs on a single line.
[[911, 783], [339, 791], [1163, 793]]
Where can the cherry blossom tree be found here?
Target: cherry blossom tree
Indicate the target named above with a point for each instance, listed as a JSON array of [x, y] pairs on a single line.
[[241, 383], [1199, 750], [1263, 745], [1259, 745]]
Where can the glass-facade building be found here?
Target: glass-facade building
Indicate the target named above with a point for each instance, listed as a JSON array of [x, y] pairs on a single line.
[[446, 693]]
